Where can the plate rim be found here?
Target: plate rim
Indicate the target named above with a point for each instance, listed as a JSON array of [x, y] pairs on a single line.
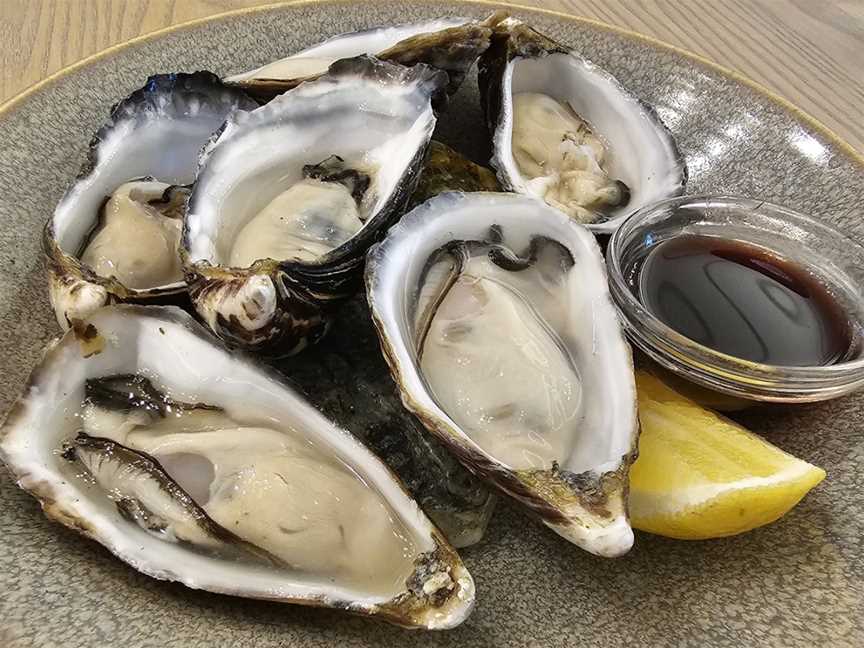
[[8, 106]]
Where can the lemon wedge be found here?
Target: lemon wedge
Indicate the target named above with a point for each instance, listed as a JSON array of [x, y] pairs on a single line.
[[701, 476]]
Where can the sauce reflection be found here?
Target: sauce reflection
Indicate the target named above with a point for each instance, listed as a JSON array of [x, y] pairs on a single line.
[[743, 301]]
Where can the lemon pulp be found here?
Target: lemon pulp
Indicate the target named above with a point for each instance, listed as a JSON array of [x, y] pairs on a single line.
[[700, 475]]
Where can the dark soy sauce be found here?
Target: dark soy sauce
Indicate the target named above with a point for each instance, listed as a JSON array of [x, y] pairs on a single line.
[[743, 301]]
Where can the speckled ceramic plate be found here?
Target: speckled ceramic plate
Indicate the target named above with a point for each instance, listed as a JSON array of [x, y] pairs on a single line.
[[798, 582]]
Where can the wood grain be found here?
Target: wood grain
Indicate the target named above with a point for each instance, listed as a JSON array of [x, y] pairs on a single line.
[[809, 51]]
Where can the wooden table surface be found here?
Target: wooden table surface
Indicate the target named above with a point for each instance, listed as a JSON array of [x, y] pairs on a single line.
[[809, 51]]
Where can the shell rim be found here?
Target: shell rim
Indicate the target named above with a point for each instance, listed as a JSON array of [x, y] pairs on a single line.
[[232, 79]]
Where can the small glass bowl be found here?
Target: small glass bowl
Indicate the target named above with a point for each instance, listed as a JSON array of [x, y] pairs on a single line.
[[829, 255]]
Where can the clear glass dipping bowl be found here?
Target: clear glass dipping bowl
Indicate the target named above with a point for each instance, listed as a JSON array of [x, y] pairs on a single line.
[[833, 258]]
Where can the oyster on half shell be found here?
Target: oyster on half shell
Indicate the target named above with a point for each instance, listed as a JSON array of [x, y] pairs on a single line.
[[567, 131], [217, 475], [114, 235], [449, 44], [289, 197], [495, 317]]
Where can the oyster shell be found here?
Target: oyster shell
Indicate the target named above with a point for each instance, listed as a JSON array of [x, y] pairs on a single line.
[[153, 138], [567, 132], [449, 170], [495, 317], [449, 44], [352, 143], [217, 475]]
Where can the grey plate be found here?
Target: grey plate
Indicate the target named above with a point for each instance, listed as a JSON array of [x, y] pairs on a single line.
[[797, 582]]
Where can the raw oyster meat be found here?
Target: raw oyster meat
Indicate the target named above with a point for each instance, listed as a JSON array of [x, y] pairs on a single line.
[[494, 315], [562, 159], [567, 132], [309, 219], [137, 239], [351, 144], [113, 236], [346, 378], [217, 475]]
